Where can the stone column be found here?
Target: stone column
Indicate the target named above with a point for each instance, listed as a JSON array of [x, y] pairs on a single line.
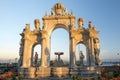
[[92, 56], [45, 56], [32, 56], [89, 53], [48, 51], [72, 52], [26, 54]]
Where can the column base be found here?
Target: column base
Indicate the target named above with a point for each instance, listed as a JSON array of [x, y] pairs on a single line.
[[43, 72], [61, 72], [26, 72]]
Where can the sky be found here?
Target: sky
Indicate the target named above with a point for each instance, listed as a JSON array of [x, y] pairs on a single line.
[[104, 14]]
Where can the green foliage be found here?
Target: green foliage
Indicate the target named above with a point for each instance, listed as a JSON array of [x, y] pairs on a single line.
[[116, 74], [21, 77], [14, 77], [99, 78], [76, 78], [52, 63], [66, 64]]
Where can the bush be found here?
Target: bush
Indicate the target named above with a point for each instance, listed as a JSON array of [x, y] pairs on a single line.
[[76, 78]]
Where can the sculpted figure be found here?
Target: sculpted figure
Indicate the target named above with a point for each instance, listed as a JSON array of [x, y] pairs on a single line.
[[65, 11], [36, 58], [52, 11], [37, 24], [27, 27], [81, 57], [80, 23], [97, 52], [90, 24]]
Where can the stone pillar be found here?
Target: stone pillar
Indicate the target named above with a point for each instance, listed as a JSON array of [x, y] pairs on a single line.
[[48, 51], [26, 54], [72, 52], [92, 52], [32, 56], [45, 56], [89, 53]]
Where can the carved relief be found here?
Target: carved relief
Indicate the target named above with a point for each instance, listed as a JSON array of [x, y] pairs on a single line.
[[59, 9]]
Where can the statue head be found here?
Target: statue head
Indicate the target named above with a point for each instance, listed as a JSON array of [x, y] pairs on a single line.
[[37, 24]]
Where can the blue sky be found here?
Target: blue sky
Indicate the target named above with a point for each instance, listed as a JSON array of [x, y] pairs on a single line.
[[104, 14]]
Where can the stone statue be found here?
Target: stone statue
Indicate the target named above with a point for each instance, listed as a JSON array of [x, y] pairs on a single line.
[[81, 57], [37, 24], [97, 52], [27, 27], [65, 11], [90, 24], [80, 23], [52, 11], [36, 58]]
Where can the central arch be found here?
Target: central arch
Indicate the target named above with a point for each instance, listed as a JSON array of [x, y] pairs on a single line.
[[56, 26], [56, 39]]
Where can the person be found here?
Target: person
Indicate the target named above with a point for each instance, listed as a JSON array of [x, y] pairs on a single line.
[[81, 57]]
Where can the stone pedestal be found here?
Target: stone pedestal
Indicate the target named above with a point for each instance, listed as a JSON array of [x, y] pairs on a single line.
[[61, 72], [91, 68], [27, 72], [43, 72]]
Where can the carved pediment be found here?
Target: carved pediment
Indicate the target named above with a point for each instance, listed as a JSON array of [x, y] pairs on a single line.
[[58, 9]]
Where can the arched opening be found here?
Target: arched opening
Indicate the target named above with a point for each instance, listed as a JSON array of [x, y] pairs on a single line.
[[59, 43], [81, 49], [36, 55]]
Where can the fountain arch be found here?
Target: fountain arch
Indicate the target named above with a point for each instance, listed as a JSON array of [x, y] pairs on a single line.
[[59, 17]]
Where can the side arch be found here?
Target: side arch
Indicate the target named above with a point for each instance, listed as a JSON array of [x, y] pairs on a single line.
[[38, 45]]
